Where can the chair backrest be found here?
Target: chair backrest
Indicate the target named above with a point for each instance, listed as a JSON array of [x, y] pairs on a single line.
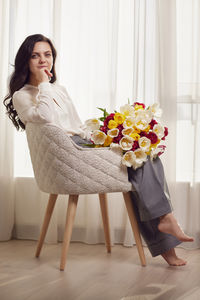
[[62, 167]]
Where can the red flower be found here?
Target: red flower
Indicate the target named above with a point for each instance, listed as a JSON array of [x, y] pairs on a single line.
[[138, 103], [118, 138], [152, 123], [153, 137], [143, 133], [165, 133], [104, 129], [120, 127], [162, 147], [108, 118], [135, 146]]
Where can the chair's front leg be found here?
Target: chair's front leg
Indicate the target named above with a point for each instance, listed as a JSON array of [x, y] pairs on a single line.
[[134, 225], [48, 214], [105, 218], [71, 212]]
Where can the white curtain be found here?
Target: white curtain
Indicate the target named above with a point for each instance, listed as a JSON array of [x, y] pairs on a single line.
[[109, 51], [188, 116], [6, 134]]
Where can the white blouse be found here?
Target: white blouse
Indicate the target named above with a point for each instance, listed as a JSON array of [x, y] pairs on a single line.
[[48, 103]]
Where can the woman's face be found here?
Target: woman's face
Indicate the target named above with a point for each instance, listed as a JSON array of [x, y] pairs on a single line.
[[41, 58]]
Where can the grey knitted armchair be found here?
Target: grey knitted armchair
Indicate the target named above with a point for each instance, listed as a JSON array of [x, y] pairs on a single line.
[[62, 167]]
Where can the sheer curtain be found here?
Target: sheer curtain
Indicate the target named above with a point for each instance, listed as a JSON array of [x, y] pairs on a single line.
[[188, 116], [108, 51], [6, 134]]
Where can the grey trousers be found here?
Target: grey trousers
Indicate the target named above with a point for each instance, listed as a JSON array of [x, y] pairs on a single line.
[[151, 200]]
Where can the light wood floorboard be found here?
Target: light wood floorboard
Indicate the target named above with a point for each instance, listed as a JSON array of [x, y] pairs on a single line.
[[93, 274]]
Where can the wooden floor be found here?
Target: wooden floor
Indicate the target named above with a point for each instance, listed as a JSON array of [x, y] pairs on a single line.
[[92, 274]]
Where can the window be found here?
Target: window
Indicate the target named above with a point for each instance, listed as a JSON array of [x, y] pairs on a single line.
[[188, 89]]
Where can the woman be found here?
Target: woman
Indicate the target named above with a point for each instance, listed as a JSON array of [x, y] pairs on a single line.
[[34, 97]]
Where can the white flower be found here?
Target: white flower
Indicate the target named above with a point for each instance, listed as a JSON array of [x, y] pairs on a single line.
[[128, 158], [159, 130], [116, 148], [154, 153], [92, 124], [155, 110], [141, 157], [142, 120], [127, 110], [98, 137], [144, 143], [126, 143], [129, 122], [134, 159], [113, 132]]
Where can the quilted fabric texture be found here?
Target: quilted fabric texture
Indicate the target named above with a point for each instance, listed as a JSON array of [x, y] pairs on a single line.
[[62, 167]]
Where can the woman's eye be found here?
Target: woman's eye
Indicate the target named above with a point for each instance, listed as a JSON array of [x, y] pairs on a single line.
[[48, 54], [34, 56]]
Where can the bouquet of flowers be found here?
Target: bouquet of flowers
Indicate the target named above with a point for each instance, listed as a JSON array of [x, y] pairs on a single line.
[[135, 131]]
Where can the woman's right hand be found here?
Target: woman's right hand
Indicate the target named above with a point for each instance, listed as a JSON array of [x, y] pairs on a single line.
[[43, 75]]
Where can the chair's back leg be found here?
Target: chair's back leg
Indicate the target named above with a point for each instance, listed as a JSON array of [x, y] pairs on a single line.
[[71, 212], [105, 218], [134, 225], [48, 214]]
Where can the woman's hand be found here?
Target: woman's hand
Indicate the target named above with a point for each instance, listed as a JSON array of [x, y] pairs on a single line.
[[43, 75]]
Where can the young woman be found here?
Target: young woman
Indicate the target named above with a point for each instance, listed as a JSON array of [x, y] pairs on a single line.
[[35, 97]]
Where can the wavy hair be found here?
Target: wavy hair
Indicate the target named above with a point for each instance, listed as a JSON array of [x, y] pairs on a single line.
[[20, 75]]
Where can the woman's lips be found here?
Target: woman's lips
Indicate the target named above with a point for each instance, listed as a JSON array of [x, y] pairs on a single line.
[[40, 67]]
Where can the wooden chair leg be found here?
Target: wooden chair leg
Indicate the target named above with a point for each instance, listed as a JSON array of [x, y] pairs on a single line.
[[48, 214], [134, 225], [105, 218], [71, 212]]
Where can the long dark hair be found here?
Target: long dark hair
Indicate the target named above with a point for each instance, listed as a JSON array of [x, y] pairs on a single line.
[[20, 76]]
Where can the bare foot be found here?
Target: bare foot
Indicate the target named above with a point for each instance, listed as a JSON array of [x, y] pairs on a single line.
[[168, 224], [172, 259]]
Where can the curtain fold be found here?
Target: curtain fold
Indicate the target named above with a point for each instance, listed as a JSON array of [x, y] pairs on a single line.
[[167, 83], [6, 134], [188, 116]]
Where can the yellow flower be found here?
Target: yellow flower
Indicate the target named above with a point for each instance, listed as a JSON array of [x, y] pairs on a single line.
[[147, 129], [108, 141], [135, 136], [155, 145], [112, 124], [136, 130], [119, 118], [127, 131], [137, 107]]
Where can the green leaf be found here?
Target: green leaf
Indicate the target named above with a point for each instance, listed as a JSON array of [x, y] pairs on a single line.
[[89, 145], [102, 109], [102, 119], [105, 113]]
